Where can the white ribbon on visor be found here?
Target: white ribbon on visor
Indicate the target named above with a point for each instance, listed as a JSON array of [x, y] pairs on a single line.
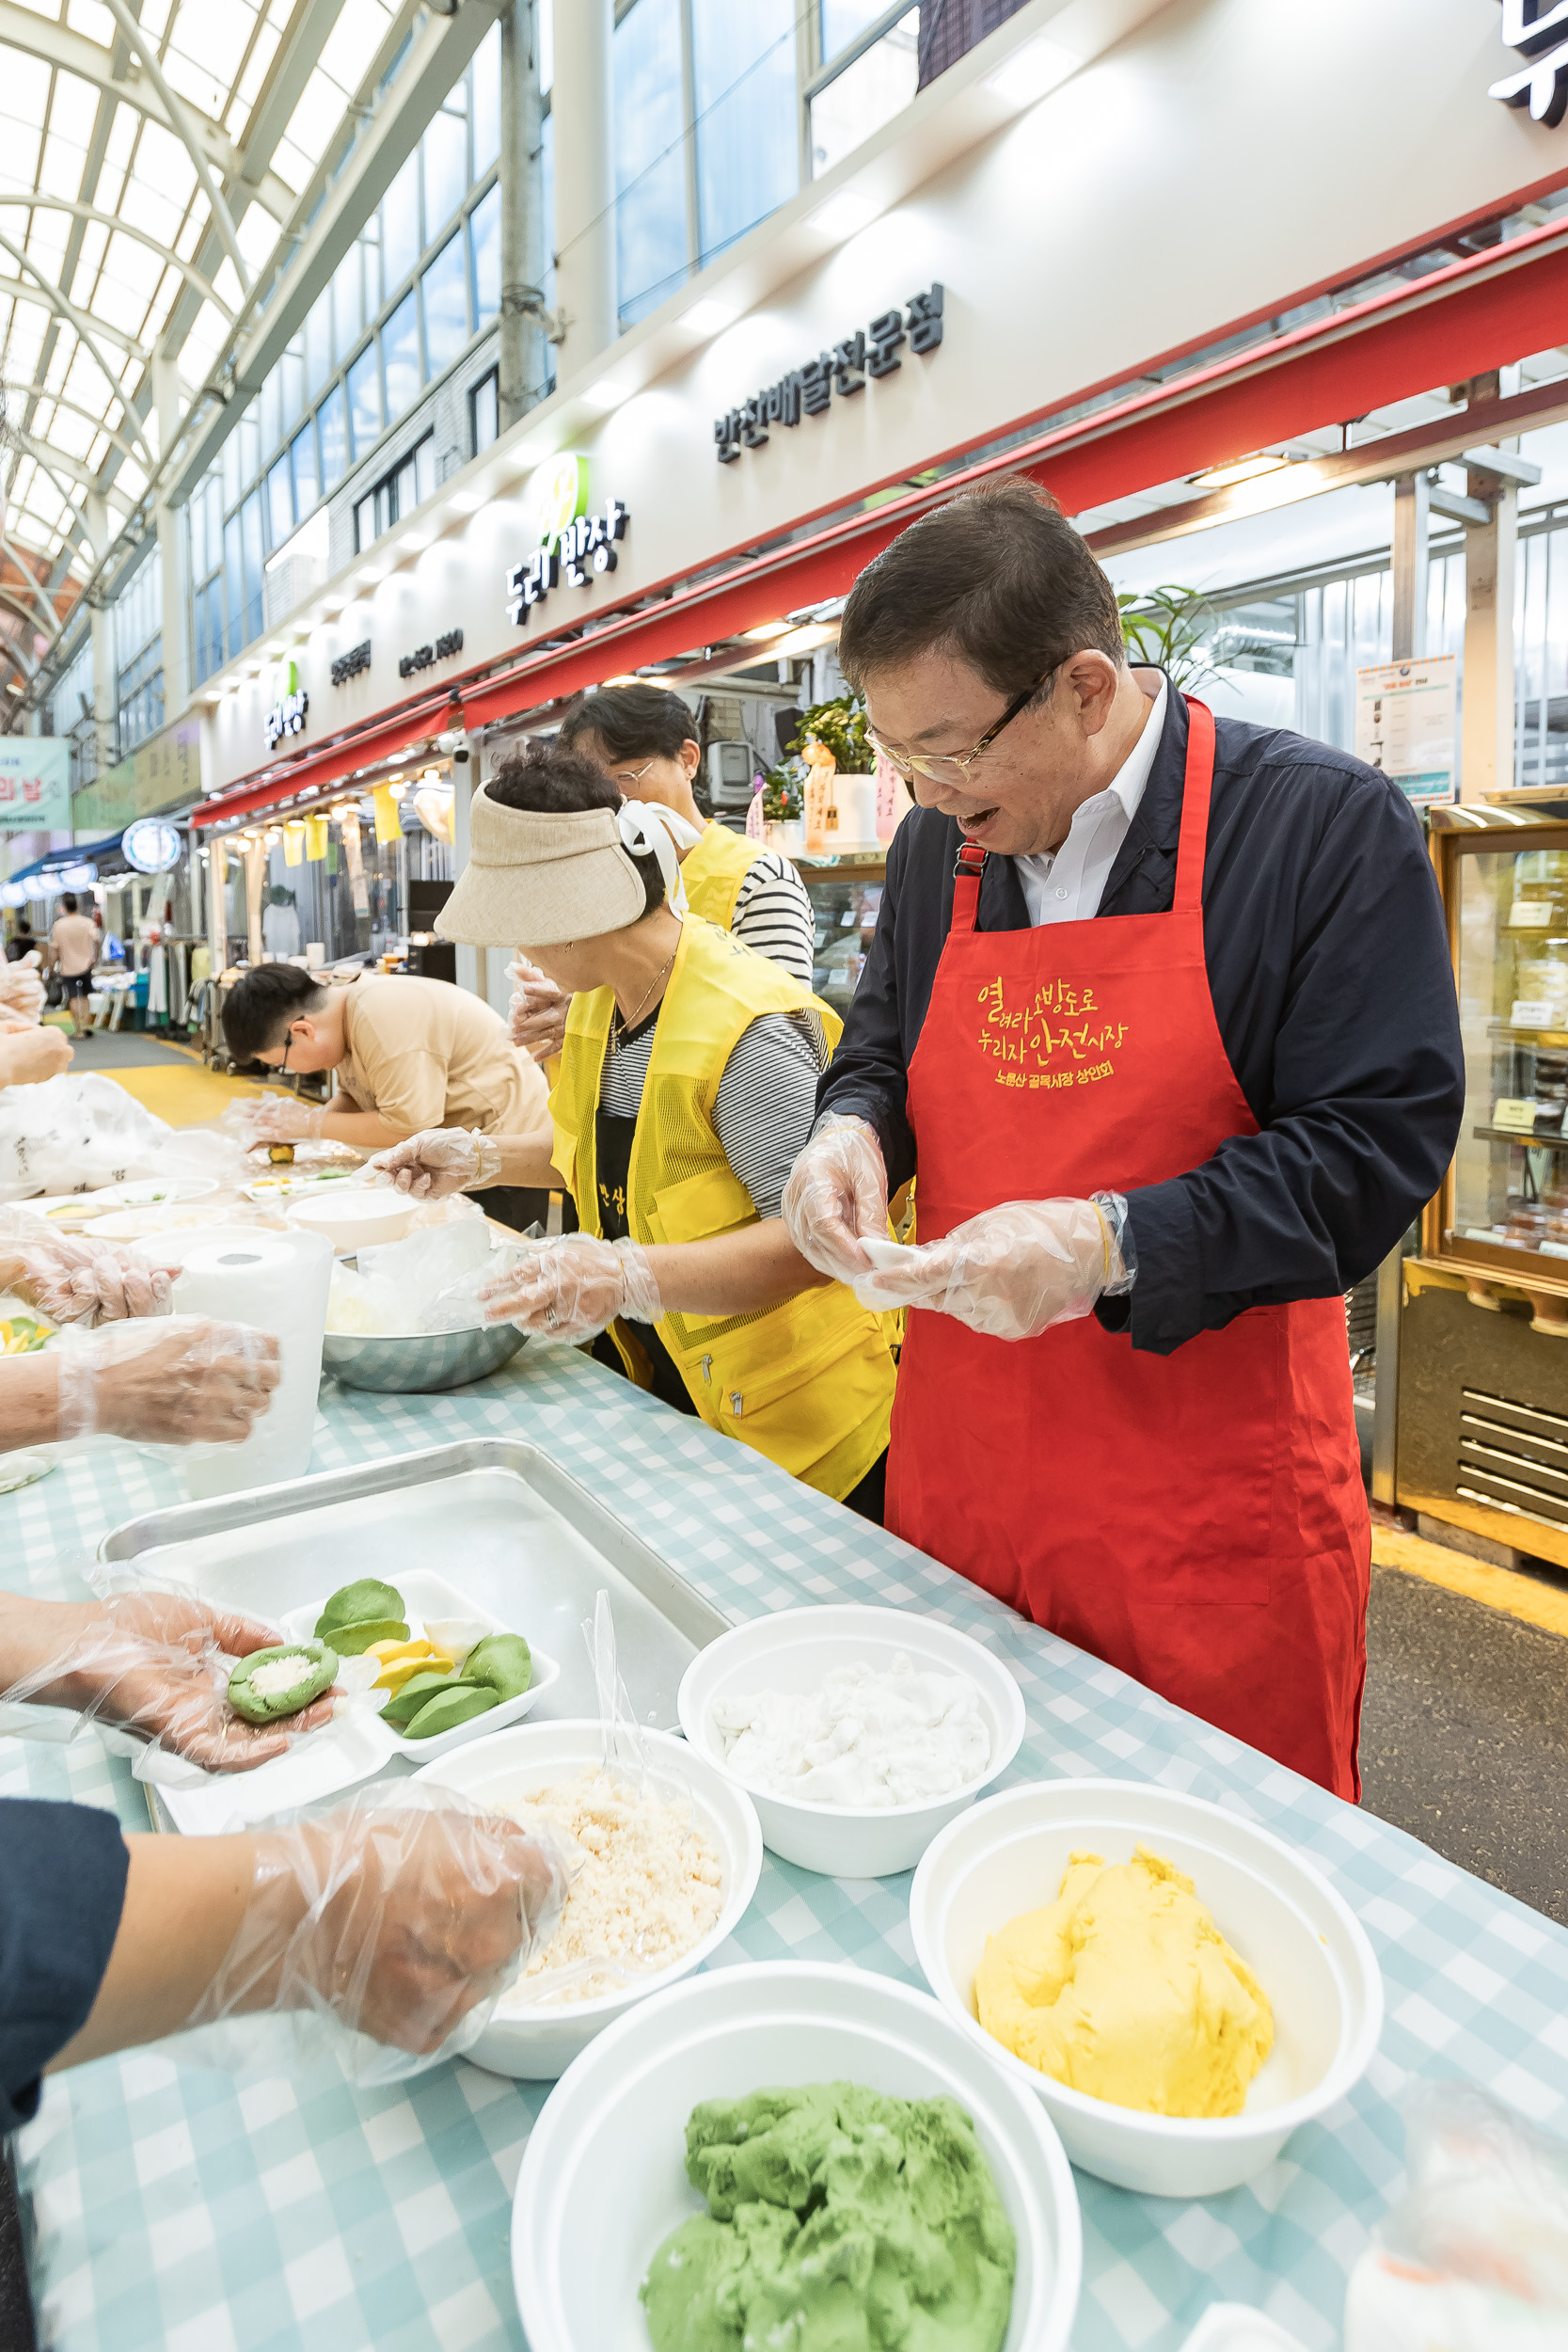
[[649, 829]]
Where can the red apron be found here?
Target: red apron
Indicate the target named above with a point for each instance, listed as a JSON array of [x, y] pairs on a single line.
[[1197, 1520]]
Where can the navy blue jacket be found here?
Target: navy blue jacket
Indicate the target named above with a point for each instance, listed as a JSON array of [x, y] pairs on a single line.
[[1329, 970], [62, 1887]]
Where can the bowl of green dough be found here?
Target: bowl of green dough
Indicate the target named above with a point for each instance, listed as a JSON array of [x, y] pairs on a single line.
[[788, 2154], [1180, 1988]]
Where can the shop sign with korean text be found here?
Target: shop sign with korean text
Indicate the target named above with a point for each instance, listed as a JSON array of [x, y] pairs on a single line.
[[573, 543], [1405, 714], [808, 390], [35, 784]]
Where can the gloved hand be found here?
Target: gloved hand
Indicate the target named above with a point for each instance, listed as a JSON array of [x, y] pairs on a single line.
[[1011, 1272], [836, 1197], [538, 1013], [439, 1161], [396, 1918], [155, 1663], [71, 1278], [22, 988], [572, 1288], [29, 1055], [181, 1380], [283, 1118]]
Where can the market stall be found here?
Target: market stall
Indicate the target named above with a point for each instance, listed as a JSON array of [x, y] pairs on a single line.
[[176, 2208]]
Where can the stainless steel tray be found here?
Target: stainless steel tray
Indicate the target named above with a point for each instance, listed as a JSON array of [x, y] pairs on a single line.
[[497, 1516]]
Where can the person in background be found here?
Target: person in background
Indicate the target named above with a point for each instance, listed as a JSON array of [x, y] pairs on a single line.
[[74, 946], [394, 1916], [687, 1088], [280, 923], [21, 941], [409, 1053], [643, 739]]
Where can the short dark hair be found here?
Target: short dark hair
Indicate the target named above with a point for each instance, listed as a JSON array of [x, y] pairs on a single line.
[[632, 722], [552, 778], [260, 1010], [22, 924], [68, 900], [998, 577]]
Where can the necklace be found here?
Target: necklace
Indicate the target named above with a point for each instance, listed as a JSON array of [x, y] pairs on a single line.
[[621, 1028]]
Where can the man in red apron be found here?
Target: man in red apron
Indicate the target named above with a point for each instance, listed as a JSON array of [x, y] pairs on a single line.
[[1125, 1403]]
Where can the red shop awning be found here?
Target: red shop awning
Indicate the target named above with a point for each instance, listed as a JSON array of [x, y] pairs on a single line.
[[1453, 323]]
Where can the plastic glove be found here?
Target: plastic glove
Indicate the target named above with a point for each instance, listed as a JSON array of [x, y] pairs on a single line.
[[31, 1054], [1011, 1272], [397, 1918], [836, 1197], [572, 1288], [538, 1013], [182, 1380], [71, 1278], [157, 1664], [283, 1118], [22, 988], [439, 1161]]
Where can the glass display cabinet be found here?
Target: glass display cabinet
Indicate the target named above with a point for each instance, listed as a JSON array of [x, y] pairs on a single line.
[[846, 894], [1482, 1359]]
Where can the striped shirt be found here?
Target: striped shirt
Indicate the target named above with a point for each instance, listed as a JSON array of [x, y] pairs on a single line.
[[773, 916], [766, 1102]]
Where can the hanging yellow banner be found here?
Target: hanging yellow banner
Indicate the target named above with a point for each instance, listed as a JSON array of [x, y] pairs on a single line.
[[388, 825], [294, 841], [315, 838]]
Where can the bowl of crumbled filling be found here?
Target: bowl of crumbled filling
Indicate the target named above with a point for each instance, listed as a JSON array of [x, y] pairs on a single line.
[[663, 1863]]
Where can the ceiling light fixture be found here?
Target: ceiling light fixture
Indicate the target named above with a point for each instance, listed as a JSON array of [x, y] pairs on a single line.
[[708, 317], [1033, 68], [605, 394], [806, 640], [765, 630], [844, 214], [370, 575], [465, 503], [1241, 469], [414, 542]]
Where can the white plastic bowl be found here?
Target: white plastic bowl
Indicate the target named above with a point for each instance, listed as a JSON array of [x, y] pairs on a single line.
[[537, 2044], [604, 2173], [794, 1650], [353, 1217], [1301, 1939]]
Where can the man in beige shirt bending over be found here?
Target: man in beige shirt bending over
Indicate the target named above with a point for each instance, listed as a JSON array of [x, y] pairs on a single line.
[[75, 943], [409, 1053]]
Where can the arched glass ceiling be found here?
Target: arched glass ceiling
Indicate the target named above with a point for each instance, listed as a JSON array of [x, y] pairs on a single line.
[[151, 152]]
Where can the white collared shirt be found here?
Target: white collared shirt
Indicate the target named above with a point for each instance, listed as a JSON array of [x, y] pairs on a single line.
[[1066, 885]]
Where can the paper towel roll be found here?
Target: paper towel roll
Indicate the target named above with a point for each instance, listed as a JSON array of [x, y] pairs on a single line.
[[276, 1282]]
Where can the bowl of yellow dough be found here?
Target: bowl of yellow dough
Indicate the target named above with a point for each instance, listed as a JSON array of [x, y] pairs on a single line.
[[1183, 1989]]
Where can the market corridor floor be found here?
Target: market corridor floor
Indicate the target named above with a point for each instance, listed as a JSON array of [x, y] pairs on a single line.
[[1465, 1735], [168, 1080]]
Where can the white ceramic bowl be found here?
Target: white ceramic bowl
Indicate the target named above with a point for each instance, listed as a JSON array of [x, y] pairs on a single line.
[[536, 2045], [604, 2173], [1300, 1938], [353, 1217], [793, 1650]]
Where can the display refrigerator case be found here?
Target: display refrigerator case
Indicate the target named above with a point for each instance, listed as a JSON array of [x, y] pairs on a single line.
[[846, 894], [1482, 1359]]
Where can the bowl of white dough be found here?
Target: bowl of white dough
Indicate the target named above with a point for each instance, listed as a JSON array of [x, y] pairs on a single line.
[[691, 2143], [1179, 1987], [664, 1866], [858, 1733]]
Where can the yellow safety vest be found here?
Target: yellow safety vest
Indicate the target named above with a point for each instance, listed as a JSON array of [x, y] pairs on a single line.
[[715, 870], [808, 1383]]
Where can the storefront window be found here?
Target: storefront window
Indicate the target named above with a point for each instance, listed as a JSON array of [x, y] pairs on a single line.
[[332, 418], [652, 249], [302, 460], [348, 300], [844, 20], [1512, 1188], [445, 305], [747, 147], [280, 502], [879, 84], [399, 353], [484, 222], [319, 895], [364, 400], [400, 226], [444, 151]]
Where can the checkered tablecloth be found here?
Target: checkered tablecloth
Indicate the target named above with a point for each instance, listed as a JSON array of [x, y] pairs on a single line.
[[177, 2209]]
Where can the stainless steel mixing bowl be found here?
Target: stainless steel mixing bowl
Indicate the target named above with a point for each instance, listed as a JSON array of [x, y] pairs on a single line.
[[418, 1366]]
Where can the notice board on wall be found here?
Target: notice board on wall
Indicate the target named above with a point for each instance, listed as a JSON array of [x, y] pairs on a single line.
[[1406, 722]]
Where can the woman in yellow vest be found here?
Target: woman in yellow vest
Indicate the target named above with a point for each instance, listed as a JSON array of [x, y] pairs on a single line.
[[686, 1089], [644, 738]]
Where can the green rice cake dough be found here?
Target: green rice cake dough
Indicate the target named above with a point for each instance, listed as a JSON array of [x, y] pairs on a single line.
[[406, 1704], [447, 1709], [503, 1662], [272, 1683], [351, 1641], [357, 1604]]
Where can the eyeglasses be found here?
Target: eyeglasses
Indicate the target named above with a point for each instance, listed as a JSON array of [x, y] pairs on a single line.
[[952, 766], [625, 782]]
